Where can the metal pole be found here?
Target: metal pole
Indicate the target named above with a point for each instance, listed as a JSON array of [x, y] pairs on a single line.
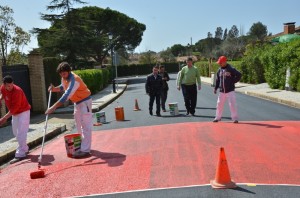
[[112, 64], [116, 66]]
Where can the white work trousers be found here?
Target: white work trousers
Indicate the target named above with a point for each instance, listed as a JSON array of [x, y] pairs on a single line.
[[20, 127], [232, 105], [84, 121]]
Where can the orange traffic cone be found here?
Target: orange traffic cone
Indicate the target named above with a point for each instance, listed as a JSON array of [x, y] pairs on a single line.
[[222, 178], [136, 106]]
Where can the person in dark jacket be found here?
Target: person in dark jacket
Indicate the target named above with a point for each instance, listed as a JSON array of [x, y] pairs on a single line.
[[227, 76], [165, 87], [154, 84]]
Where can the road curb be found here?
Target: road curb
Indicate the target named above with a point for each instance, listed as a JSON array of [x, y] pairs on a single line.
[[101, 106], [10, 154], [97, 105], [266, 97], [273, 99]]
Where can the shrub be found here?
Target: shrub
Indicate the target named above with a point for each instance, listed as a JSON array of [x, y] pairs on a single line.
[[93, 78], [204, 67]]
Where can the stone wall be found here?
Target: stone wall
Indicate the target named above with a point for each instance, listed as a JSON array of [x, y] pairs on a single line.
[[37, 82]]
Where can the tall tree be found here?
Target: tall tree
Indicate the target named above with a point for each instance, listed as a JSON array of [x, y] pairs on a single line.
[[148, 58], [209, 35], [225, 34], [17, 57], [89, 38], [64, 6], [258, 30], [11, 36], [167, 56], [233, 32], [219, 33], [63, 9], [177, 50]]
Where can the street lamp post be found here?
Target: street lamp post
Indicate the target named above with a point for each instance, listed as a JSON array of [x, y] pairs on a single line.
[[110, 36]]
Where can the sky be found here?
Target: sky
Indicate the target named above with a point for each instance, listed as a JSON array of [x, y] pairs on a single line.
[[170, 22]]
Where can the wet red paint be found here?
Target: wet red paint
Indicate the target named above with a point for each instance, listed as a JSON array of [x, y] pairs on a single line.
[[162, 156]]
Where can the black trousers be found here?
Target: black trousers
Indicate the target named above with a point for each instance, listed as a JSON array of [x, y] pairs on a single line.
[[156, 97], [164, 95], [190, 97]]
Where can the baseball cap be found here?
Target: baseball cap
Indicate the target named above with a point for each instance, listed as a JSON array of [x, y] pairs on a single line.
[[222, 59]]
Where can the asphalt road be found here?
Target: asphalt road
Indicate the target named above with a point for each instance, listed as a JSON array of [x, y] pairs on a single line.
[[171, 156], [249, 108]]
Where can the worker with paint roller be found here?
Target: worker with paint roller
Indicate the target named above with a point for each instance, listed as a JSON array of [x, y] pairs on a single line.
[[19, 109], [76, 91]]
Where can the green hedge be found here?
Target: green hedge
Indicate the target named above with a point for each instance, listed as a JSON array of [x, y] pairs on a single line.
[[268, 63], [204, 67], [253, 69], [290, 57], [51, 76], [95, 79], [50, 65], [261, 63], [141, 69]]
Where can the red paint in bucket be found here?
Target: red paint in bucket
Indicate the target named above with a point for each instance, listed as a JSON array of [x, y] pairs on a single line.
[[73, 143]]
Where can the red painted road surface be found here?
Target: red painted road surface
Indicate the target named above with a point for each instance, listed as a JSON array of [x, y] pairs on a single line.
[[162, 156]]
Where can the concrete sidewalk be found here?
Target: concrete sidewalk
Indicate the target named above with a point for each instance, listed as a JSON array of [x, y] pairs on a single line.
[[263, 91], [61, 121]]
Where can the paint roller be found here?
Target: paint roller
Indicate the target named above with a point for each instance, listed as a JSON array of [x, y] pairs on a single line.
[[40, 173]]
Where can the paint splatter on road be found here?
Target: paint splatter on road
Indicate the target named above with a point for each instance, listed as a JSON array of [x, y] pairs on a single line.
[[162, 156]]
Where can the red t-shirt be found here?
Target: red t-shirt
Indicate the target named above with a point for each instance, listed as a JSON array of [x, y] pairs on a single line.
[[15, 100]]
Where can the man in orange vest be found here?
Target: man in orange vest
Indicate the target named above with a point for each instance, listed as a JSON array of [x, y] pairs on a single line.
[[76, 91], [19, 109]]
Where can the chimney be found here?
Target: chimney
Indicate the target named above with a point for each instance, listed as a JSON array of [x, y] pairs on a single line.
[[289, 28]]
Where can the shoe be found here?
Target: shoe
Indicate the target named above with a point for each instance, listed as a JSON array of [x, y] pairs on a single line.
[[236, 121], [164, 110], [17, 159], [158, 114], [216, 120], [81, 154], [187, 113], [150, 112]]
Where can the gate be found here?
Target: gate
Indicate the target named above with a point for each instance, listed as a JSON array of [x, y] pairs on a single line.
[[20, 74]]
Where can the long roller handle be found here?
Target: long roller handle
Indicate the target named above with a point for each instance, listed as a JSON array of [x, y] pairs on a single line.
[[45, 129]]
